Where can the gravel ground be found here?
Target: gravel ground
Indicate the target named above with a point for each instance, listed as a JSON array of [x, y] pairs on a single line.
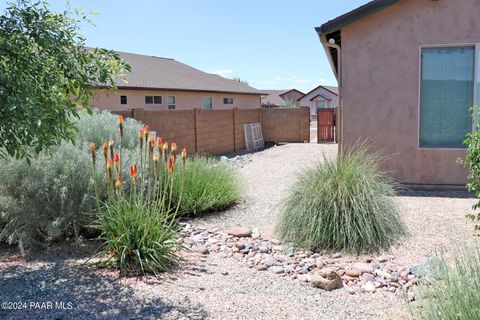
[[211, 287]]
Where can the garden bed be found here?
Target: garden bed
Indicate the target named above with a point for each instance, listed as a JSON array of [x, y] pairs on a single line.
[[221, 284]]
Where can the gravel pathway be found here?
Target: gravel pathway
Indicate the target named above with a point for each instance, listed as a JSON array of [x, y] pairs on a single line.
[[269, 175], [212, 287]]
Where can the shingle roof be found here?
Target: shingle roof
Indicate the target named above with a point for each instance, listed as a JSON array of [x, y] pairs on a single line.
[[273, 97], [150, 72]]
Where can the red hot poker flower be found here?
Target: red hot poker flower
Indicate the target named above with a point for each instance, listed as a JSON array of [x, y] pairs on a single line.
[[141, 134], [159, 143], [119, 183], [133, 171], [110, 146], [171, 164], [105, 151], [184, 155], [116, 158], [120, 125], [92, 151], [173, 148]]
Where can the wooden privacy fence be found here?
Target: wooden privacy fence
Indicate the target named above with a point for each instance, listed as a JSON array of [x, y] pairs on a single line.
[[220, 131], [326, 125]]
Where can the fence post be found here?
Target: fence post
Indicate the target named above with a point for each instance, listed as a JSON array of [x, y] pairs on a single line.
[[234, 127], [195, 128], [138, 114]]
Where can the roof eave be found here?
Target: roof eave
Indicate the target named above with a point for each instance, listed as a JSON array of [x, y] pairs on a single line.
[[182, 90], [324, 41], [354, 15]]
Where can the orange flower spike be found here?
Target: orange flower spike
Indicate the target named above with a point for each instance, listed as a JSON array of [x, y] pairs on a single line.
[[173, 148], [155, 162], [119, 183], [165, 150], [147, 132], [110, 146], [133, 171], [151, 140], [184, 155], [120, 125], [159, 144], [141, 134], [109, 169], [105, 151], [171, 164], [92, 151], [116, 159], [133, 174]]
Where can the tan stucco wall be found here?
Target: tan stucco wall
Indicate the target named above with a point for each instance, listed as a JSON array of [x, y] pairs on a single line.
[[307, 101], [381, 82], [110, 100], [292, 96]]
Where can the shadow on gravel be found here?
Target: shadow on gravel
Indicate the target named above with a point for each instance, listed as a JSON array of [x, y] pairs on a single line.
[[77, 292], [457, 194]]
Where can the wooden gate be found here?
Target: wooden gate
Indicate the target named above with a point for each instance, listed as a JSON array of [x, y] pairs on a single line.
[[326, 125]]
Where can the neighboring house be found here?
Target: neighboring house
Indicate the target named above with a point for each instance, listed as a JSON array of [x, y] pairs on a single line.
[[319, 98], [278, 98], [161, 83], [409, 74]]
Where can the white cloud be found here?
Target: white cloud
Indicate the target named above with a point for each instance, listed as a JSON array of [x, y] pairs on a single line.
[[300, 81], [222, 72]]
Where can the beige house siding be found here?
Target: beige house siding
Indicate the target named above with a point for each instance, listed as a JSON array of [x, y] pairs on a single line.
[[310, 99], [381, 57], [110, 100]]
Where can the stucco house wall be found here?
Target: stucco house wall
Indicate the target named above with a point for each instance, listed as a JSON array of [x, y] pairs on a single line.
[[110, 100], [292, 95], [381, 70], [309, 100]]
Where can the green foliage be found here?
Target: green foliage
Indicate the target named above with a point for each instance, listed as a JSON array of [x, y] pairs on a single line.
[[288, 104], [53, 196], [101, 126], [47, 199], [208, 185], [454, 292], [343, 204], [137, 238], [46, 76], [472, 162]]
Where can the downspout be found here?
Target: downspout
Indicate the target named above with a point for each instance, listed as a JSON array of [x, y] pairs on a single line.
[[331, 44]]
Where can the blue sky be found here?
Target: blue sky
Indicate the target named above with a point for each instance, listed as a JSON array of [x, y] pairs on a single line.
[[269, 43]]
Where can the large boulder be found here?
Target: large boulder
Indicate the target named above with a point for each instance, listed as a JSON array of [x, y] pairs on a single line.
[[327, 279]]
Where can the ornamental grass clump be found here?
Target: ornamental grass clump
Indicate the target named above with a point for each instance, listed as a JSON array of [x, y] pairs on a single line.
[[207, 185], [453, 289], [343, 204], [138, 222]]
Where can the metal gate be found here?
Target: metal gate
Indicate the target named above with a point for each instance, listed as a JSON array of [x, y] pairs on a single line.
[[326, 125]]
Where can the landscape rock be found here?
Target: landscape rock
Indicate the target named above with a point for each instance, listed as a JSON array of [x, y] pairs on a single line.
[[369, 286], [353, 272], [363, 267], [277, 269], [201, 249], [327, 279], [240, 232]]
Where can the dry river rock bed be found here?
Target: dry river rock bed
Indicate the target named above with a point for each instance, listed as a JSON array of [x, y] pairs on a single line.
[[367, 274]]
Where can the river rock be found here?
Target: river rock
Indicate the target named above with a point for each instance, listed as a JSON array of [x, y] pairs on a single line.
[[327, 279], [240, 232]]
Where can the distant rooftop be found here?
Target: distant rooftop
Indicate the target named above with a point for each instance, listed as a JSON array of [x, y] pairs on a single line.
[[150, 72]]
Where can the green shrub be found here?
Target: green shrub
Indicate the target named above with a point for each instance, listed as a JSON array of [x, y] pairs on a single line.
[[53, 196], [454, 292], [48, 199], [101, 126], [138, 224], [137, 238], [208, 185], [472, 162], [342, 204]]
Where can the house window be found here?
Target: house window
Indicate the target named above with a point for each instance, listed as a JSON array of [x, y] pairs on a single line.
[[123, 99], [227, 100], [207, 102], [446, 95], [171, 102], [157, 99], [148, 99]]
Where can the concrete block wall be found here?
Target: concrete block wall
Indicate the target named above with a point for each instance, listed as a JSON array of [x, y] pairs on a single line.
[[220, 131]]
